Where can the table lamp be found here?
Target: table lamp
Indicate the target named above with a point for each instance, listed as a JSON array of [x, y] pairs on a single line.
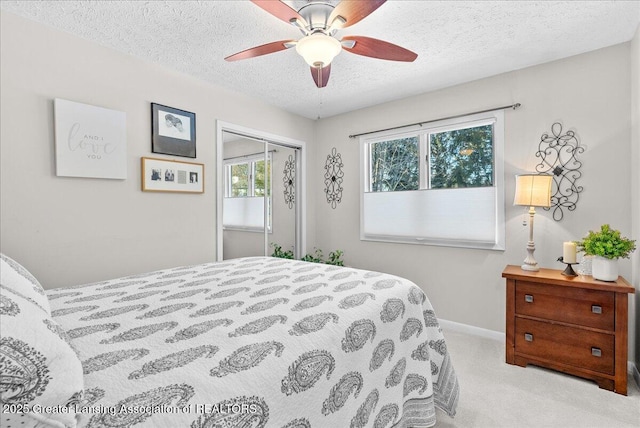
[[532, 190]]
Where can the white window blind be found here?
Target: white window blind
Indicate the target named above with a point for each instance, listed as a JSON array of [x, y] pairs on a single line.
[[459, 216], [246, 212]]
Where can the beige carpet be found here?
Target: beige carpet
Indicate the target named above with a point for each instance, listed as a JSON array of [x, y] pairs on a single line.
[[495, 394]]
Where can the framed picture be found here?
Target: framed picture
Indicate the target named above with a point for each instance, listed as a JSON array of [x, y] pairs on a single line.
[[162, 175], [91, 141], [173, 131]]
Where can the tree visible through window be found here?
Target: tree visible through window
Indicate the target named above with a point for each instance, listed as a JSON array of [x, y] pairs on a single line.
[[259, 175], [248, 179], [395, 165], [239, 179], [461, 158], [451, 159]]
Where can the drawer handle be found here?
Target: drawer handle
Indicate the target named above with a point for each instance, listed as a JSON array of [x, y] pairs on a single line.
[[529, 338], [596, 309], [528, 298], [596, 352]]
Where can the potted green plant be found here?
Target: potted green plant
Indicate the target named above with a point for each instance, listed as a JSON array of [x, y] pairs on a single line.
[[606, 246], [335, 257]]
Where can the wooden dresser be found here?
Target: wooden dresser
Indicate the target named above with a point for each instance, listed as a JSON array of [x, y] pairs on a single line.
[[576, 325]]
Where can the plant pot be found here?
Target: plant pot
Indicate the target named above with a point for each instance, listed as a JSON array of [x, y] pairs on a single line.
[[604, 269], [584, 268]]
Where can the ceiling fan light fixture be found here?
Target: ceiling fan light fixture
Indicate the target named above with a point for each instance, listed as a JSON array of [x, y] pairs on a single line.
[[318, 20], [318, 49]]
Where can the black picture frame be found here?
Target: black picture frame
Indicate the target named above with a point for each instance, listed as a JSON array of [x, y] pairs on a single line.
[[173, 131]]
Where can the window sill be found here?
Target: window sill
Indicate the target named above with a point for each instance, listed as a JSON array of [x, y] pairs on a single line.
[[245, 229], [475, 245]]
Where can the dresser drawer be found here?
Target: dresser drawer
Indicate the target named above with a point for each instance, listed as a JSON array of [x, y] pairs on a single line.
[[568, 345], [589, 308]]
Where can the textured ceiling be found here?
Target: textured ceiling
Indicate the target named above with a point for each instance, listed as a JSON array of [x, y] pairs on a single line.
[[456, 42]]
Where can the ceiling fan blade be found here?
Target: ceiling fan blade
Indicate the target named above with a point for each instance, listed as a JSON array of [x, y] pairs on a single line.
[[321, 75], [261, 50], [353, 11], [280, 10], [374, 48]]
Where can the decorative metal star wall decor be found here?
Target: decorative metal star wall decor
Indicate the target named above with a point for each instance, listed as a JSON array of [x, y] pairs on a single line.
[[558, 156], [333, 177]]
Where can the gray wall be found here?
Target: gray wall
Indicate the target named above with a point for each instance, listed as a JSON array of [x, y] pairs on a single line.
[[635, 179], [74, 230], [589, 93]]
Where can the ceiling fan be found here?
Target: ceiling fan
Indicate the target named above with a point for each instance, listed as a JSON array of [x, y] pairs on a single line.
[[319, 21]]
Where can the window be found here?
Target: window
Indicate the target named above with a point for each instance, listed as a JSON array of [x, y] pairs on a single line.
[[395, 165], [439, 184], [247, 180], [461, 158], [239, 180]]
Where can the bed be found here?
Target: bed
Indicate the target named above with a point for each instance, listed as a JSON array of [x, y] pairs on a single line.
[[249, 342]]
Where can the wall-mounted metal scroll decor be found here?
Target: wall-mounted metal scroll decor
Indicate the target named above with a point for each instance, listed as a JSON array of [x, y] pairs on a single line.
[[333, 178], [558, 156], [289, 180]]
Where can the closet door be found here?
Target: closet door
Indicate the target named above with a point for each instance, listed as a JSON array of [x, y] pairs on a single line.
[[245, 205], [281, 237], [260, 197]]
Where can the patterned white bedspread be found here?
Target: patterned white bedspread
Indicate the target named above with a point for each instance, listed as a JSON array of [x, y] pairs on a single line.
[[258, 342]]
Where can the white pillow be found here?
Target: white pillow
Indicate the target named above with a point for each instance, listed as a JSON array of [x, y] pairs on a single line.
[[16, 280], [39, 369]]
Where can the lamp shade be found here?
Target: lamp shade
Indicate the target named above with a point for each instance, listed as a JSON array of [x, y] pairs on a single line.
[[318, 49], [533, 190]]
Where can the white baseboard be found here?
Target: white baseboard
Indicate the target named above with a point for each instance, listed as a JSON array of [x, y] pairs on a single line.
[[470, 329], [496, 335]]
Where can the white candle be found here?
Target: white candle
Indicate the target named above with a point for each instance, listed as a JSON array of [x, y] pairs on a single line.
[[569, 252]]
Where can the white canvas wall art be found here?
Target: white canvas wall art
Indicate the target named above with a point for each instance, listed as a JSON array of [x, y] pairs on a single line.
[[91, 141]]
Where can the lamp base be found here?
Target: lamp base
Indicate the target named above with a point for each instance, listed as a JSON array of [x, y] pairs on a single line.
[[530, 264]]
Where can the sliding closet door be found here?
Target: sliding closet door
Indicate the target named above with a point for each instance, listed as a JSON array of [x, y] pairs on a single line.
[[261, 205], [244, 206], [282, 235]]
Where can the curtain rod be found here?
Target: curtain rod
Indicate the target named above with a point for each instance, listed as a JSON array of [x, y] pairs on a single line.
[[513, 106], [248, 137], [250, 155], [259, 139]]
